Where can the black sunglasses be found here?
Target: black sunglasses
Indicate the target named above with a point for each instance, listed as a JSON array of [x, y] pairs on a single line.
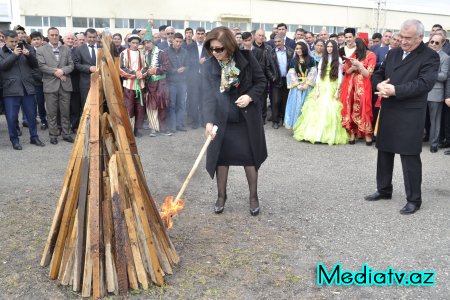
[[434, 42], [170, 33], [217, 50]]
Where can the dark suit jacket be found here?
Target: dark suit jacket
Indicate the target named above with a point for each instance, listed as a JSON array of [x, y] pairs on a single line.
[[163, 45], [380, 53], [193, 57], [402, 117], [16, 72], [217, 106], [82, 60], [277, 75]]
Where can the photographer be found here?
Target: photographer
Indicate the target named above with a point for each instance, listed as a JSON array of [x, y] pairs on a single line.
[[16, 65]]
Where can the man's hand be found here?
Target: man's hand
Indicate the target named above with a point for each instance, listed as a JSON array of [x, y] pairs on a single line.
[[202, 60], [385, 89], [181, 70], [92, 69], [59, 73], [25, 51], [17, 51]]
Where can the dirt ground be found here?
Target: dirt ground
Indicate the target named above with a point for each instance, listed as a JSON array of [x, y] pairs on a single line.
[[312, 210]]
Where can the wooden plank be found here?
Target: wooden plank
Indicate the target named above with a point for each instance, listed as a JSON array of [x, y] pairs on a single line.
[[141, 274], [119, 228], [95, 183], [81, 240], [67, 268], [72, 198], [87, 272], [137, 196], [107, 235], [61, 202], [70, 240]]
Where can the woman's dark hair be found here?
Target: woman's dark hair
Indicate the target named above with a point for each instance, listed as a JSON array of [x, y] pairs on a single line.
[[361, 49], [305, 55], [334, 72], [117, 34], [225, 36]]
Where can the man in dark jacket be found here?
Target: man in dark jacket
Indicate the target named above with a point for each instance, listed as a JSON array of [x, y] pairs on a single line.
[[281, 56], [176, 78], [404, 80], [16, 67]]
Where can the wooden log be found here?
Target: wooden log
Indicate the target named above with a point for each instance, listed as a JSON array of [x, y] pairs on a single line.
[[61, 202], [119, 228], [81, 239], [141, 274], [70, 240]]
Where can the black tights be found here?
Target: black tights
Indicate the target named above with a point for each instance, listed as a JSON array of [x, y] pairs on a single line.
[[252, 179]]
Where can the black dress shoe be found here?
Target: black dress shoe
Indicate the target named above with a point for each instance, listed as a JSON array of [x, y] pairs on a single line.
[[68, 139], [181, 128], [137, 133], [447, 152], [377, 196], [44, 126], [275, 125], [17, 146], [25, 124], [444, 145], [220, 206], [409, 208], [53, 141], [433, 149], [37, 142], [425, 139]]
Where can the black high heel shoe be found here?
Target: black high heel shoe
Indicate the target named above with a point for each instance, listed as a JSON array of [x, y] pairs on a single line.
[[218, 209], [254, 211]]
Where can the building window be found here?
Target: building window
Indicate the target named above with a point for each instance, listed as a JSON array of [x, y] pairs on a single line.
[[140, 23], [33, 21], [101, 22], [58, 21], [80, 22], [122, 23], [177, 24]]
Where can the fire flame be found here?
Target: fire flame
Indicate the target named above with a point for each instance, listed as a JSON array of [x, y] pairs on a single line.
[[169, 209]]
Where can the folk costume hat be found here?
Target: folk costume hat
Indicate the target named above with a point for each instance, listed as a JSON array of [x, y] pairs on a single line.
[[148, 37], [365, 38], [134, 37]]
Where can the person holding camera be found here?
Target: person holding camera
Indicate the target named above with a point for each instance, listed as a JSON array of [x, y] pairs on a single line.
[[16, 66]]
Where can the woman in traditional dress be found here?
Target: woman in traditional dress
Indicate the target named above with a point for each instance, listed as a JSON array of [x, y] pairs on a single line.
[[300, 81], [321, 115], [356, 94], [234, 83], [319, 48]]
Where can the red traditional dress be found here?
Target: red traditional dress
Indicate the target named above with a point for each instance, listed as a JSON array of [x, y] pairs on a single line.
[[356, 98]]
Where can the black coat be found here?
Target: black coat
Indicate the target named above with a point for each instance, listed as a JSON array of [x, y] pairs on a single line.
[[16, 72], [216, 105], [402, 117], [277, 75]]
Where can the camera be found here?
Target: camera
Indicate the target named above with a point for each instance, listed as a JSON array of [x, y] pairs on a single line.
[[20, 45]]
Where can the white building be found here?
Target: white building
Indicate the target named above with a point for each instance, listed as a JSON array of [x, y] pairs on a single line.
[[123, 16]]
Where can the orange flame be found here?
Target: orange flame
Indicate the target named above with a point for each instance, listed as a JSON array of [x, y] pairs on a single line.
[[169, 209]]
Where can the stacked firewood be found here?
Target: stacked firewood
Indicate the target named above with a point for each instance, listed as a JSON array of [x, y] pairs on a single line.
[[107, 235]]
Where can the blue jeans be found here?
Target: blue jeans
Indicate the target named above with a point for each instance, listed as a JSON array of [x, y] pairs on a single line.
[[12, 107], [177, 106]]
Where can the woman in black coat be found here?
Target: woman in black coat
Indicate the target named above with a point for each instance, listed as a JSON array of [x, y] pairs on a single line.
[[234, 83]]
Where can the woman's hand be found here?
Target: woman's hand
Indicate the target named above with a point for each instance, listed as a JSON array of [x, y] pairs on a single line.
[[209, 130], [243, 101]]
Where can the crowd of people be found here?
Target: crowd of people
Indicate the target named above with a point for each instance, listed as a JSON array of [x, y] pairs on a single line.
[[318, 85]]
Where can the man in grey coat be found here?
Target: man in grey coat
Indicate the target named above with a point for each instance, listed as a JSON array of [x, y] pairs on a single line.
[[16, 64], [55, 62], [436, 95]]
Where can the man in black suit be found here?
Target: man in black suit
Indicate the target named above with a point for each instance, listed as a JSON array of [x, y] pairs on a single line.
[[281, 56], [85, 58], [404, 80], [196, 56], [169, 31]]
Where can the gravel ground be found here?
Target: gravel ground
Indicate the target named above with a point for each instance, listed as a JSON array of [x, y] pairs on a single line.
[[312, 210]]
